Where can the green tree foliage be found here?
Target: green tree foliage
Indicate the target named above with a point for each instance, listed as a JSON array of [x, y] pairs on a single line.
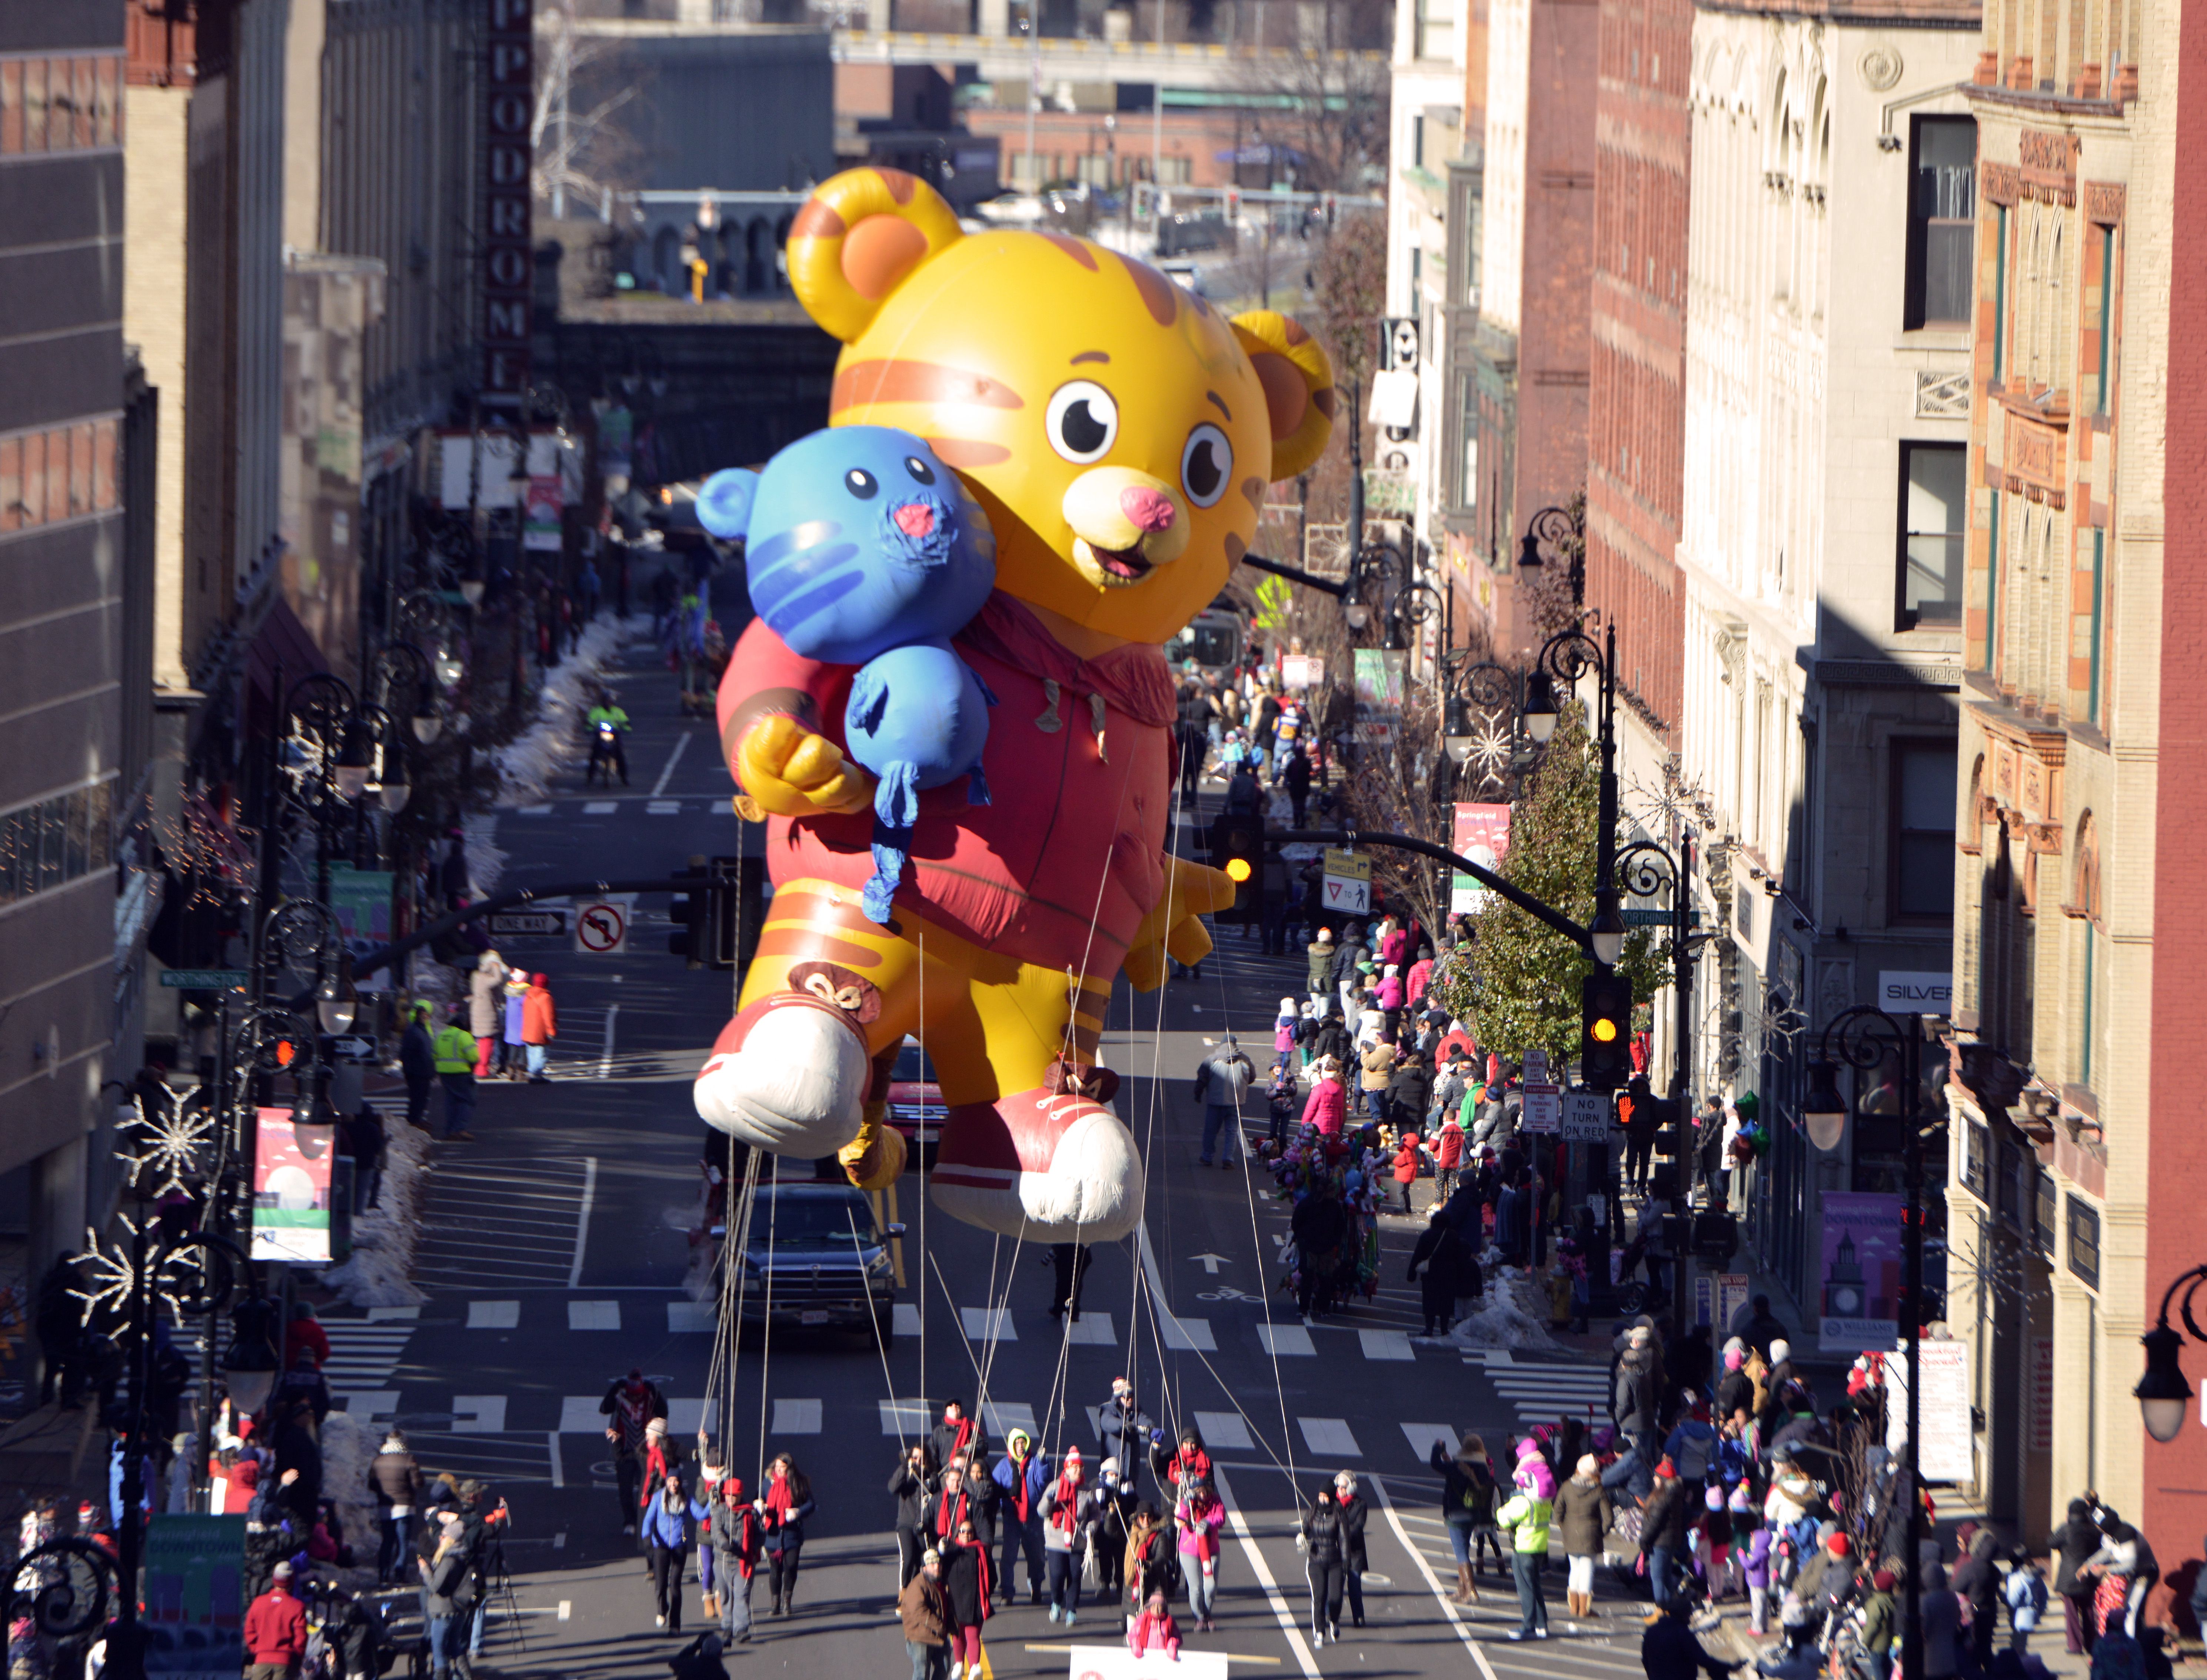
[[1517, 983]]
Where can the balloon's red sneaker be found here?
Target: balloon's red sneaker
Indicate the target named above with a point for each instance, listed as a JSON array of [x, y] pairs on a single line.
[[788, 1075], [1050, 1167]]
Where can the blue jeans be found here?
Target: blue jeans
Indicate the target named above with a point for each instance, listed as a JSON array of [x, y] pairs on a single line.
[[1459, 1535], [536, 1053], [1526, 1567], [397, 1531], [475, 1627], [459, 1101], [1202, 1587], [440, 1644], [928, 1662], [1217, 1119], [1659, 1574]]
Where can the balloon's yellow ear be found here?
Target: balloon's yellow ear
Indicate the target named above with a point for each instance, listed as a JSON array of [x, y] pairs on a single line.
[[858, 238], [1298, 381]]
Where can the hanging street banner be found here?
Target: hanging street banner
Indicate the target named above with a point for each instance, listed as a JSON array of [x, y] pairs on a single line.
[[1859, 1282], [195, 1617], [1481, 833], [291, 1190], [360, 900]]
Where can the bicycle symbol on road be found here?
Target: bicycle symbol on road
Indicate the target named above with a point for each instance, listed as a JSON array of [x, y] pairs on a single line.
[[1227, 1292]]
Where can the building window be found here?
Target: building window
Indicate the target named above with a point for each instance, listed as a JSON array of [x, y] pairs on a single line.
[[1932, 505], [1922, 859], [1977, 1145], [1942, 210], [2042, 1225], [2106, 369], [2000, 292], [55, 841], [1436, 26], [2084, 1241], [2099, 565]]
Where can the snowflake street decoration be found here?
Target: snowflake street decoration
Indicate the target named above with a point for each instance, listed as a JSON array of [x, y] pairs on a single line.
[[1493, 748], [173, 1145], [112, 1277]]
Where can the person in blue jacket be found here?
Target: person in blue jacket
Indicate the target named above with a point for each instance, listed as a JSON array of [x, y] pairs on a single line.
[[670, 1531], [1022, 1474]]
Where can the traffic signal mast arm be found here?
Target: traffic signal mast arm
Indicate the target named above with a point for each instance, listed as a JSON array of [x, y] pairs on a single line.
[[1440, 854], [372, 960]]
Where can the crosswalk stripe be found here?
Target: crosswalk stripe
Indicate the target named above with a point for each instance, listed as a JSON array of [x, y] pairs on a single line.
[[980, 1320], [797, 1417], [593, 1315], [904, 1320], [1385, 1344], [686, 1416], [1187, 1334], [1094, 1329], [903, 1417], [661, 807], [364, 1352], [1421, 1437], [686, 1317], [494, 1314], [1330, 1436], [1003, 1416], [1222, 1430], [1287, 1341], [368, 1403], [579, 1415], [601, 807], [478, 1415]]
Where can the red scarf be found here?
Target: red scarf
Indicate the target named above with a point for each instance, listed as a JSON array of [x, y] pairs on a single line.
[[962, 1439], [949, 1513], [779, 1499], [1190, 1466], [745, 1520], [1068, 1501], [1018, 1484]]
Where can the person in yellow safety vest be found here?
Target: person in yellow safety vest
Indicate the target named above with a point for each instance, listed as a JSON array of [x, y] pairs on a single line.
[[455, 1050], [1525, 1518]]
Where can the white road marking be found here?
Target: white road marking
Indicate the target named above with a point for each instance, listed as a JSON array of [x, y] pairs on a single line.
[[606, 1055], [1184, 1334], [590, 1191], [1003, 1416], [684, 1417], [1421, 1437], [564, 1603], [532, 810], [1385, 1344], [601, 807], [1287, 1341], [1223, 1429], [394, 1315], [681, 746], [478, 1415], [367, 1403], [579, 1415], [1094, 1330], [903, 1417], [494, 1314], [1433, 1580], [904, 1319], [1330, 1438], [663, 807], [558, 1466], [982, 1322], [686, 1317], [1262, 1572], [796, 1417], [593, 1315]]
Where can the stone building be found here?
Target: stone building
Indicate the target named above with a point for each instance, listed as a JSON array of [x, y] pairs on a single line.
[[2072, 1198], [1826, 414]]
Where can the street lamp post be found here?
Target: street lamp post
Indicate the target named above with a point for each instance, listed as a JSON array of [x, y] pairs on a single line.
[[1863, 1038], [2164, 1393]]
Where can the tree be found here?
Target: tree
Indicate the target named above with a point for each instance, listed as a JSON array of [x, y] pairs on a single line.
[[1517, 982], [1394, 787]]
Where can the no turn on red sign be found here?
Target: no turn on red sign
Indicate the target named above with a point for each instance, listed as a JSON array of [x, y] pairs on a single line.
[[602, 929]]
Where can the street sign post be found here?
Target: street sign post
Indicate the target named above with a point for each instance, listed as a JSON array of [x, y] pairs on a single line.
[[1586, 1118], [601, 930], [1347, 883], [527, 924], [1543, 1109]]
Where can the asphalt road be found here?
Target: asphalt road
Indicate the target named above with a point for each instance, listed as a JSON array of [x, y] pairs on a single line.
[[558, 1255]]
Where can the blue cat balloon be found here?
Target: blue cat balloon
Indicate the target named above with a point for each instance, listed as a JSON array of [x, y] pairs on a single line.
[[863, 548]]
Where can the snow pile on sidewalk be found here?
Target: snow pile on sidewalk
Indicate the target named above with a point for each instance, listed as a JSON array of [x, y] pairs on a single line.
[[348, 1444], [384, 1239], [487, 859], [1513, 1312], [527, 763]]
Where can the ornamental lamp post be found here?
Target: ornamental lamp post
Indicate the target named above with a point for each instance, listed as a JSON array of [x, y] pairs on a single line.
[[2164, 1392]]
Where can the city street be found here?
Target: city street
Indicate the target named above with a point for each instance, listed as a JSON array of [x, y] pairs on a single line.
[[556, 1253]]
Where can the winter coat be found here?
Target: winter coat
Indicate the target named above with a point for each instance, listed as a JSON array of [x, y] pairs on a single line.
[[453, 1051], [1198, 1535], [1526, 1517], [786, 1532], [1354, 1511], [1467, 1490], [1121, 1431], [2025, 1592], [539, 1021], [276, 1629], [1583, 1515], [1388, 993], [1327, 1109], [1448, 1262], [1079, 1512], [924, 1609], [2076, 1540], [736, 1538], [396, 1478], [1638, 1388], [1283, 1030], [1153, 1632], [1692, 1446], [1149, 1564], [674, 1527], [911, 1492], [1318, 1224], [417, 1054], [965, 1584], [1011, 1477], [1448, 1145], [486, 995], [1321, 1532], [1663, 1518], [946, 1440], [1756, 1564], [447, 1581], [1318, 959], [1406, 1160], [1378, 1064], [1411, 1091], [1332, 1040]]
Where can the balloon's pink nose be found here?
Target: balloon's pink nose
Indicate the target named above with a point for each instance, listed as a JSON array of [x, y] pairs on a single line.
[[916, 519], [1147, 509]]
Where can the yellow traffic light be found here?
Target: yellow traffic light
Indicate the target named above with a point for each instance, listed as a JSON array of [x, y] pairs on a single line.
[[1605, 1029], [1237, 868]]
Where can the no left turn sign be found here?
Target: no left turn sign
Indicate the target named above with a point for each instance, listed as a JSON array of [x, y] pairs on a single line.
[[601, 930]]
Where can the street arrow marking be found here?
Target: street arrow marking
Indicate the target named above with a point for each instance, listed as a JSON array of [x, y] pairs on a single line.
[[1211, 1262]]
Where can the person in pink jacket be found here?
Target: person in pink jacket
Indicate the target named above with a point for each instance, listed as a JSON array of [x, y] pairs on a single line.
[[1199, 1517], [1327, 1108], [1283, 1034], [1154, 1629]]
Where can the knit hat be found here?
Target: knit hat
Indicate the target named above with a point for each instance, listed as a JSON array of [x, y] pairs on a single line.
[[1734, 1360], [1073, 1456], [1780, 1351], [1588, 1465], [283, 1572], [1837, 1543], [1883, 1579], [1714, 1499], [1667, 1469], [1286, 1006]]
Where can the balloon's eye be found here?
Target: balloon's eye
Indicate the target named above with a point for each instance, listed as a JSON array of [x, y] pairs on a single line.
[[1083, 421], [919, 469], [860, 483]]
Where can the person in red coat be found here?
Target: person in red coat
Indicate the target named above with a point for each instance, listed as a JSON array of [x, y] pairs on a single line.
[[1327, 1108], [540, 1026], [275, 1630], [1406, 1166], [305, 1331]]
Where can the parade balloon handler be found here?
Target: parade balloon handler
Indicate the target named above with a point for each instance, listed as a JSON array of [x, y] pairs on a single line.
[[1118, 434]]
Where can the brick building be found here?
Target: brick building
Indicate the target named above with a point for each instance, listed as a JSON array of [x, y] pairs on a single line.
[[1636, 374], [2076, 1174]]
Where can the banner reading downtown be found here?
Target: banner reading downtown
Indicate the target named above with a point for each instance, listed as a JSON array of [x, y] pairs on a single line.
[[1859, 1288]]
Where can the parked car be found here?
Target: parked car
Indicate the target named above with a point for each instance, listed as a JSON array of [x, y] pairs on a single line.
[[814, 1256], [916, 1106]]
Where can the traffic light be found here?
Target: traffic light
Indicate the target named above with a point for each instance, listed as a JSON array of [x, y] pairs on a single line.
[[1237, 848], [692, 914], [1673, 1143], [1605, 1030]]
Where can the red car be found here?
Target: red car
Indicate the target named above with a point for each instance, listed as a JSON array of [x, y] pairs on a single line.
[[915, 1100]]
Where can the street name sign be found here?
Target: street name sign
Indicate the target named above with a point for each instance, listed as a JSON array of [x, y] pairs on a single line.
[[204, 979]]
